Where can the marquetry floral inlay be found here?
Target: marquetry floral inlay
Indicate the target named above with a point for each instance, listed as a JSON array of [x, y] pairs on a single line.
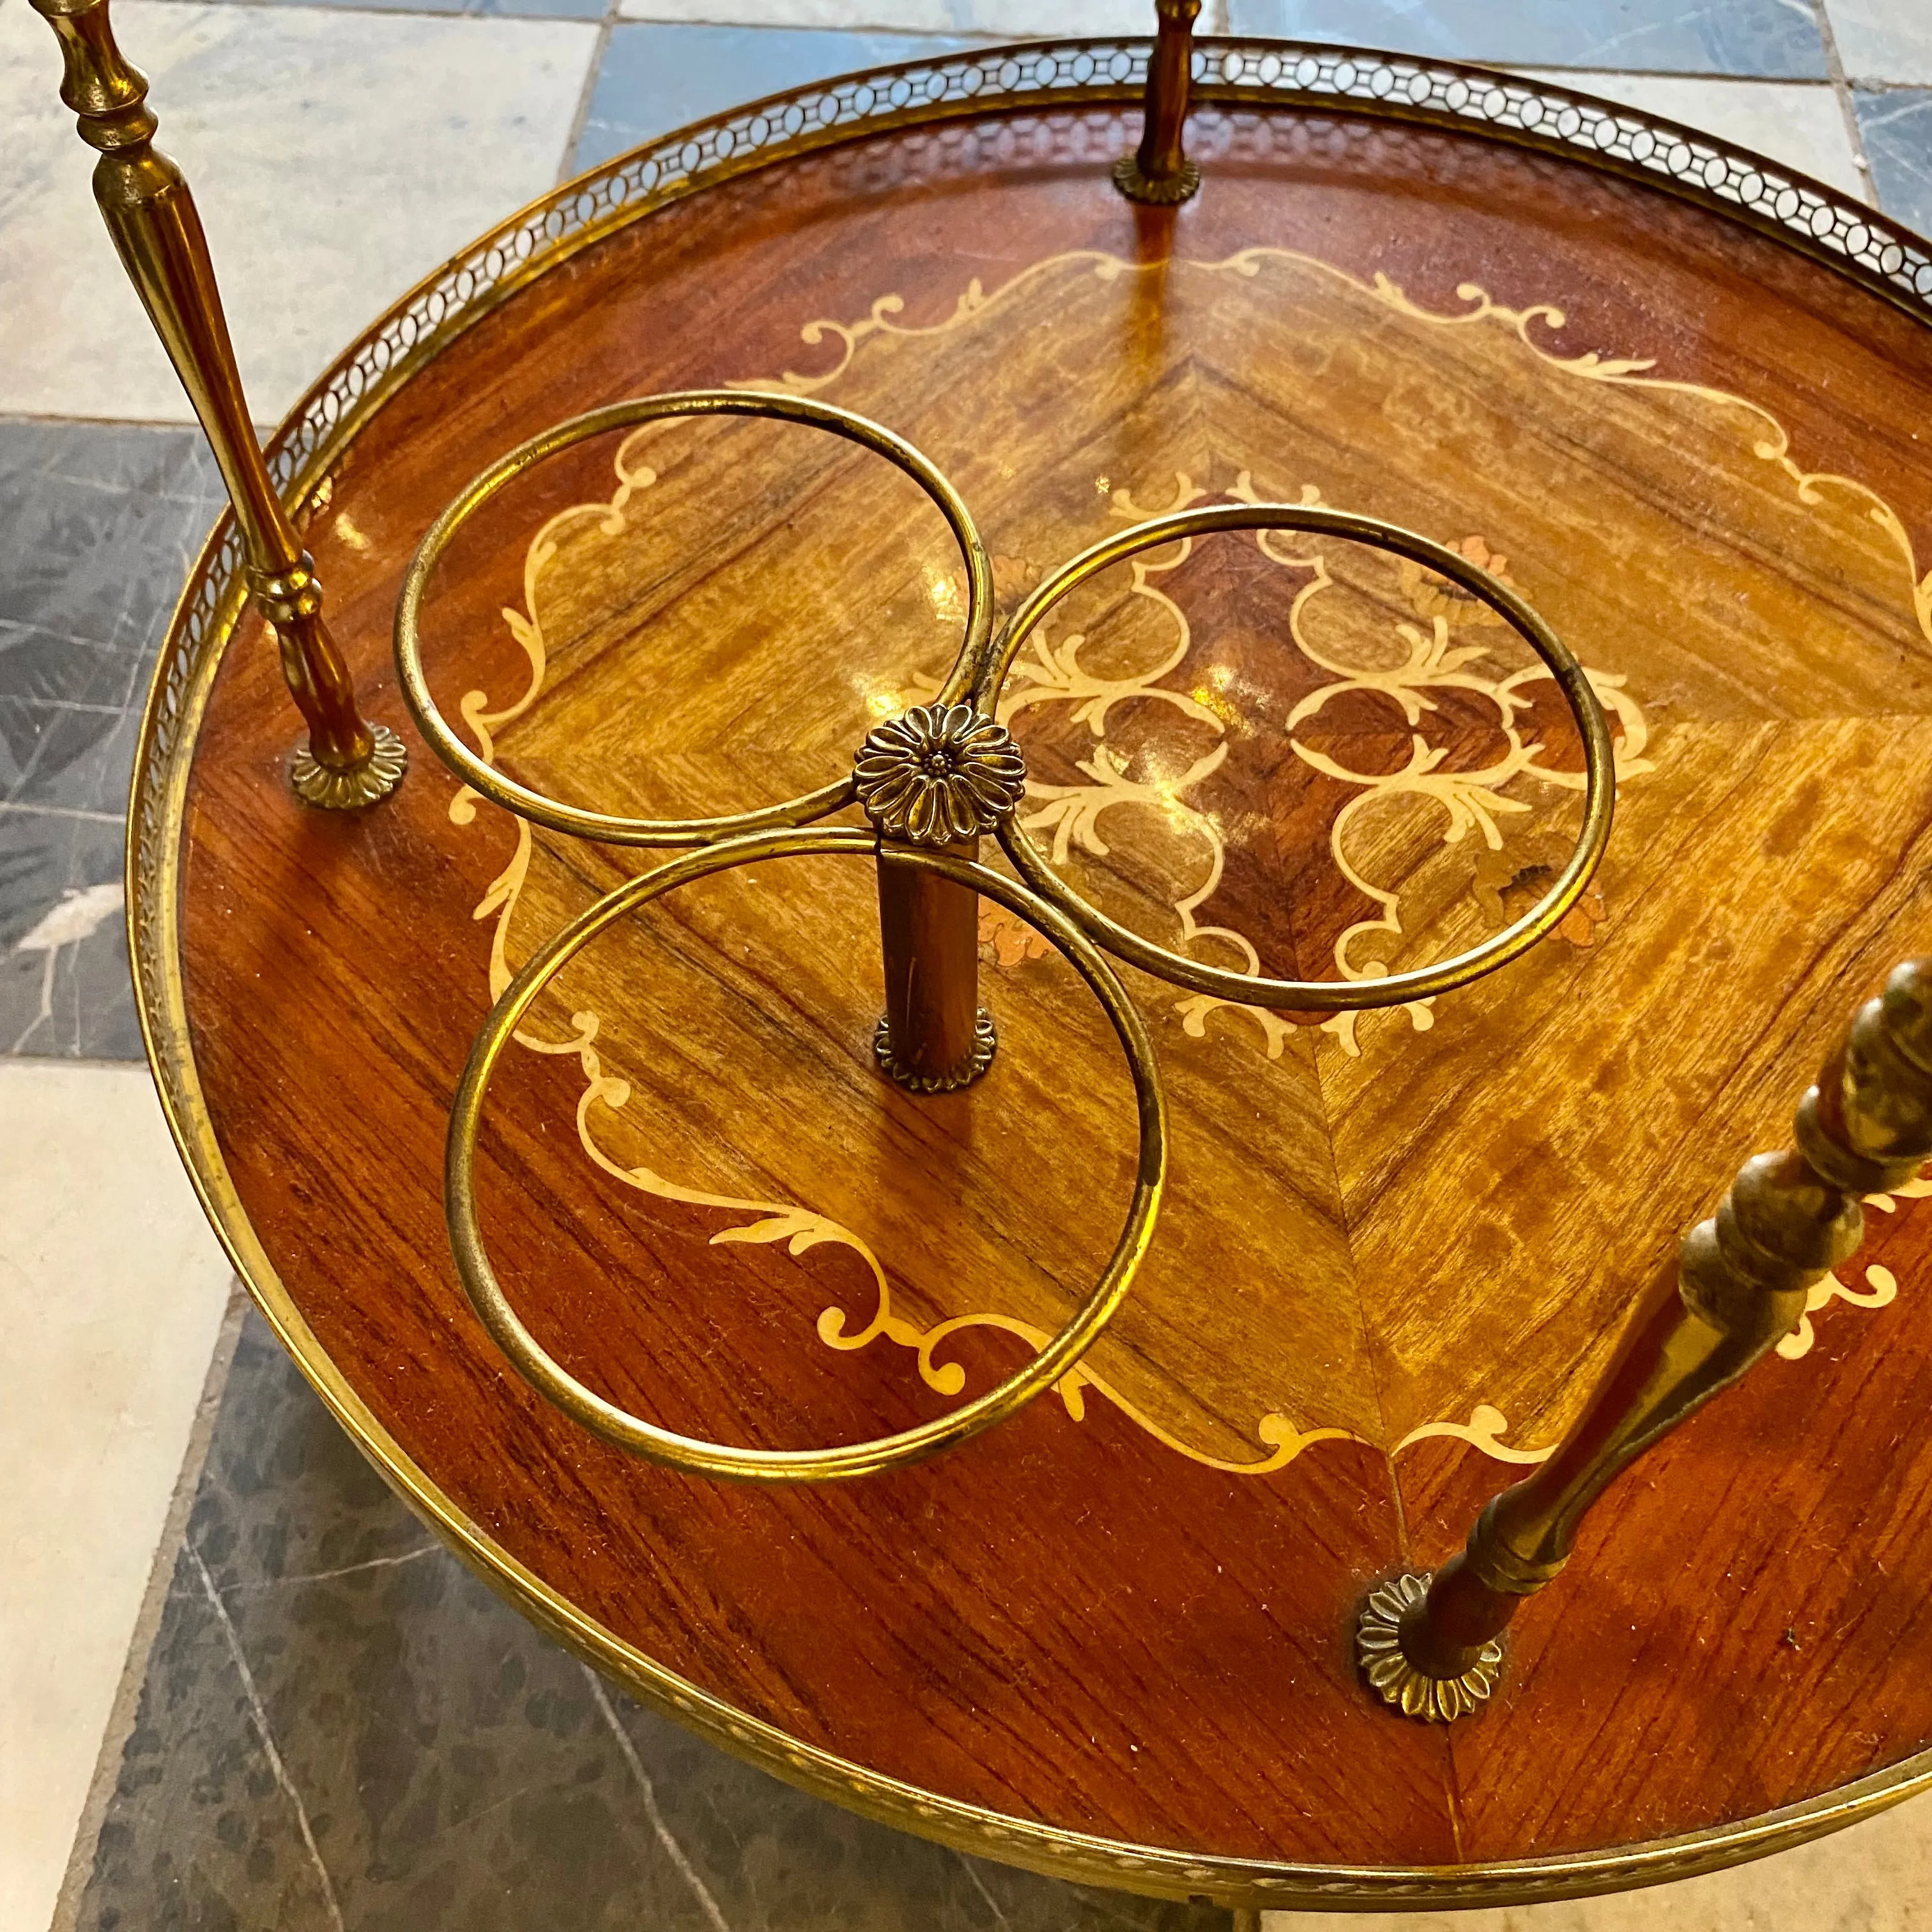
[[1430, 658], [1445, 653]]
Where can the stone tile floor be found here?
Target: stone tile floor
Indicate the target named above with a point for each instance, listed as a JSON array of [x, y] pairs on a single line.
[[313, 1720]]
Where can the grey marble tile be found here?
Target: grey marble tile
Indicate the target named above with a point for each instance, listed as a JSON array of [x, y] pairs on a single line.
[[1769, 39], [1897, 129], [341, 1730], [655, 78], [64, 989], [1883, 40], [98, 525]]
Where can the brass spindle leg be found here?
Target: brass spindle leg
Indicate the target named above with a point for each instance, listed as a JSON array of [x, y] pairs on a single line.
[[1429, 1644], [150, 213], [1159, 170], [938, 777]]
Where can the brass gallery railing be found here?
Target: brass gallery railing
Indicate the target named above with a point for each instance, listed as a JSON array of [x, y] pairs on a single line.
[[934, 781]]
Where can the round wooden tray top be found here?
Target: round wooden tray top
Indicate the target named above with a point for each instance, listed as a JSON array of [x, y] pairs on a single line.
[[1112, 1638]]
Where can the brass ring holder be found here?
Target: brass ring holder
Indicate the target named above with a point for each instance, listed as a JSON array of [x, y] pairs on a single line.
[[574, 820], [929, 880], [1324, 995], [625, 1431]]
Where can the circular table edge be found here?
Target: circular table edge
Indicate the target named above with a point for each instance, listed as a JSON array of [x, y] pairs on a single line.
[[419, 327]]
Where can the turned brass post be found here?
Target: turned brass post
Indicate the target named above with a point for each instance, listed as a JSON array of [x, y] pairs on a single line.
[[937, 778], [1159, 171], [150, 214], [1430, 1645]]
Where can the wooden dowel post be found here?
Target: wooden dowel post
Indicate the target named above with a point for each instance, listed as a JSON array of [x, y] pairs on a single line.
[[936, 779], [933, 1036], [150, 213], [1738, 1286], [1159, 170]]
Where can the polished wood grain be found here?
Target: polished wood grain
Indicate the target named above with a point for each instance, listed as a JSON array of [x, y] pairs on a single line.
[[1079, 1619]]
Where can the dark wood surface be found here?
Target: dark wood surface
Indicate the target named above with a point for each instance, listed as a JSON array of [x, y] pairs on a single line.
[[1093, 1622]]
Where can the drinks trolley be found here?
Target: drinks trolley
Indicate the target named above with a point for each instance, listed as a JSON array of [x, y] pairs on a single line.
[[1287, 687]]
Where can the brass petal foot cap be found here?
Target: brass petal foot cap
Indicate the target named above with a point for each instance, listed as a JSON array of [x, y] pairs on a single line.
[[986, 1043], [1163, 190], [378, 775], [1378, 1650]]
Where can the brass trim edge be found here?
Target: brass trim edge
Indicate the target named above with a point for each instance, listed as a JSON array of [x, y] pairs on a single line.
[[460, 293], [1860, 242]]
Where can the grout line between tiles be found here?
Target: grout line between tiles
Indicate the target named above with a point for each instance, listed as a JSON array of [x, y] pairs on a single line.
[[93, 422], [147, 1625], [574, 138], [70, 1062], [1848, 106]]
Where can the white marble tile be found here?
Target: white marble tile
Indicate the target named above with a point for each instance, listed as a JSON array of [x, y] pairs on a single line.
[[911, 17], [1800, 123], [337, 156], [1000, 20], [1022, 20], [112, 1288], [1883, 40], [1875, 1877]]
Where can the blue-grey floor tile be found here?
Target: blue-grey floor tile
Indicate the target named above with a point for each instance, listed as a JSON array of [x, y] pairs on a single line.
[[64, 989], [1898, 130], [1774, 39], [339, 1728], [74, 757], [655, 78], [98, 524], [548, 9]]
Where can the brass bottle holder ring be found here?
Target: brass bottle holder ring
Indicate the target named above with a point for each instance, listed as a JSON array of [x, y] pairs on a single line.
[[1080, 930], [575, 821], [1322, 995], [628, 1432]]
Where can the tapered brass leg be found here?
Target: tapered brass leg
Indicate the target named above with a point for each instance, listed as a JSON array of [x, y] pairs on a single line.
[[1430, 1645], [150, 214], [941, 775], [1159, 170]]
